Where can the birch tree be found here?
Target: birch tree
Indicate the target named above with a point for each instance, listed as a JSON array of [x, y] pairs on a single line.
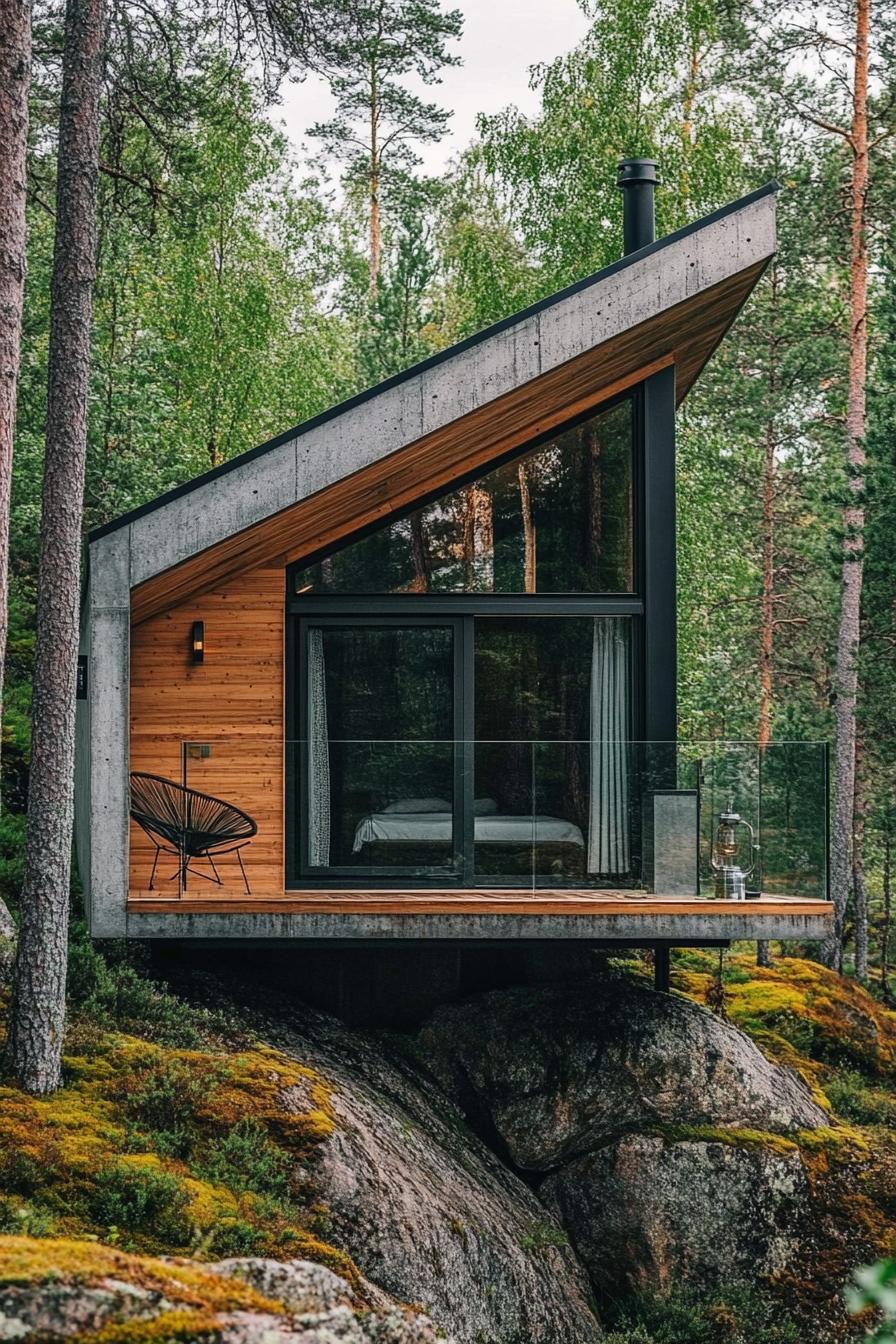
[[847, 49]]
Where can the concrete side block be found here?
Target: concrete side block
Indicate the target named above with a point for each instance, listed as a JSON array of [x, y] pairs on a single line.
[[583, 320], [758, 226], [736, 242], [213, 511], [108, 691], [719, 252], [633, 928], [110, 569], [82, 768]]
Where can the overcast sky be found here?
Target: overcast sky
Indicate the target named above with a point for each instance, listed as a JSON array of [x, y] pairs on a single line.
[[501, 40]]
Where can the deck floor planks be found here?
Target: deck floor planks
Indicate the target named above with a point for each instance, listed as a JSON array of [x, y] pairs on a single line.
[[481, 901]]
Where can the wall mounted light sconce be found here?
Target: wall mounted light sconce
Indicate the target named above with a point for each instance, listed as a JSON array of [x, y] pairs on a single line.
[[197, 641]]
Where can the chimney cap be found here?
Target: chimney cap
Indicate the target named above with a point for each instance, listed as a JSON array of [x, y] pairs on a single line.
[[637, 173]]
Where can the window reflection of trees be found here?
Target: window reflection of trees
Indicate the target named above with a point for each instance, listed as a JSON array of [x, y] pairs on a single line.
[[558, 519]]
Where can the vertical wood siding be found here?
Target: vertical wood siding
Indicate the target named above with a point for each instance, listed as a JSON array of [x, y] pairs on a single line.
[[233, 701]]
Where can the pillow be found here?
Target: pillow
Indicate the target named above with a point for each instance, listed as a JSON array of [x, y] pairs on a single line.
[[484, 807], [418, 805]]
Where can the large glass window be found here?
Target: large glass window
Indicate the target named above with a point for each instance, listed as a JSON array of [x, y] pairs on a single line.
[[556, 520], [539, 792], [380, 746]]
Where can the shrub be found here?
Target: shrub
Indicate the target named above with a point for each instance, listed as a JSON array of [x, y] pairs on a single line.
[[853, 1099], [163, 1098], [110, 989], [24, 1220], [141, 1199], [246, 1159], [729, 1316], [236, 1237]]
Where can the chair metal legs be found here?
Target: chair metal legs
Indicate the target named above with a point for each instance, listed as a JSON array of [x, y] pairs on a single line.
[[243, 871]]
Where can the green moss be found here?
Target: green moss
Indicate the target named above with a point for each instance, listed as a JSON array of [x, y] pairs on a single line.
[[824, 1017], [165, 1148], [25, 1260], [541, 1236]]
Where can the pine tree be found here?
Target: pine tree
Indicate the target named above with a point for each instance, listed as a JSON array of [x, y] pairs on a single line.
[[38, 1013], [378, 118]]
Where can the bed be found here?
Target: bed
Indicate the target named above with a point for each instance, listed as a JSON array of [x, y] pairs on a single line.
[[419, 833], [418, 827]]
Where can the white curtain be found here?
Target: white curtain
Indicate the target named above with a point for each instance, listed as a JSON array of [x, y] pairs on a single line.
[[609, 841], [318, 754]]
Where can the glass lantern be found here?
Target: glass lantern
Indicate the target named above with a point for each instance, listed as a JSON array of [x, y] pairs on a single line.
[[730, 876]]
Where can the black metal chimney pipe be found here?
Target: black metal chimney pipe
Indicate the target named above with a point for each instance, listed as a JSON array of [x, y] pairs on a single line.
[[637, 178]]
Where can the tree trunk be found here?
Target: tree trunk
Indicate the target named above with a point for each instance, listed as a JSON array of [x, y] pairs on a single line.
[[38, 1014], [15, 80], [375, 235], [418, 551], [859, 884], [888, 916], [528, 530], [854, 511], [687, 124], [595, 541], [767, 603]]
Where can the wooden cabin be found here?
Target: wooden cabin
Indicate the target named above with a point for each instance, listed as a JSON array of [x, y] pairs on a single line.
[[408, 670]]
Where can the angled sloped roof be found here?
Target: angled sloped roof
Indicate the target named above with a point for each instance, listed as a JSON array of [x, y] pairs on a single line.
[[669, 303]]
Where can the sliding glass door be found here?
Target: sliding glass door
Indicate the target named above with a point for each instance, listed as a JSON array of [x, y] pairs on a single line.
[[378, 755], [471, 749], [552, 727]]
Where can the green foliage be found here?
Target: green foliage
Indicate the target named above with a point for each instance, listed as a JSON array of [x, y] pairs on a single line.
[[629, 88], [110, 990], [162, 1100], [141, 1199], [875, 1290], [729, 1316], [853, 1098], [24, 1220], [378, 116], [245, 1159]]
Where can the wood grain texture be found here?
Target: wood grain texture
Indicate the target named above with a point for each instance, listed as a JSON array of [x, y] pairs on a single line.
[[233, 701], [495, 901], [685, 334]]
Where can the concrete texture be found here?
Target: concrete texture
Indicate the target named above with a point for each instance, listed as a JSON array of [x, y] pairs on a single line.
[[638, 929]]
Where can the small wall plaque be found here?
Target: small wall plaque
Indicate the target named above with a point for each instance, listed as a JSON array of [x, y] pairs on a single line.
[[81, 682]]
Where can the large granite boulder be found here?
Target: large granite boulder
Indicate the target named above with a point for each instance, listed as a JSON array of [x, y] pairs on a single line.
[[649, 1214], [553, 1071], [427, 1212], [659, 1135]]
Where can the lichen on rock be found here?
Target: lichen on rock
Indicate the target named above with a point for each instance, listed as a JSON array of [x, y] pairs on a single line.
[[82, 1291]]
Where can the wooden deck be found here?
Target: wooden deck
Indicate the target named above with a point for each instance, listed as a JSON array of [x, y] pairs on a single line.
[[482, 901]]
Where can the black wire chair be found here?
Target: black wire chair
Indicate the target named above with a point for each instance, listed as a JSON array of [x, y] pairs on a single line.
[[189, 825]]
